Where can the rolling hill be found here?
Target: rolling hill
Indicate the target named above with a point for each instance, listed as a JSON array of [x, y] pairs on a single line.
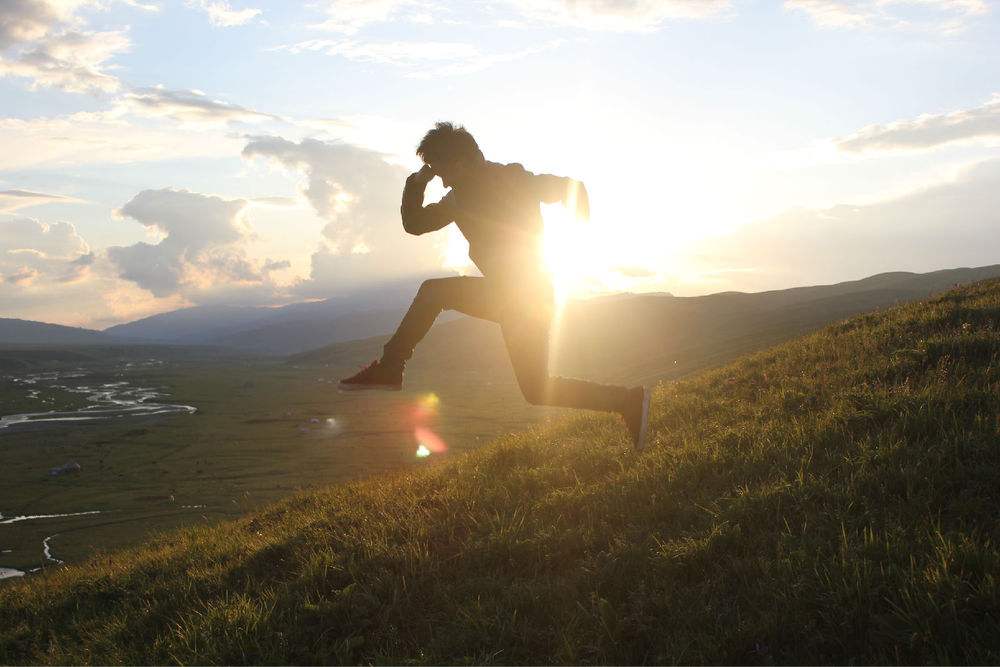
[[644, 338], [28, 332], [830, 500]]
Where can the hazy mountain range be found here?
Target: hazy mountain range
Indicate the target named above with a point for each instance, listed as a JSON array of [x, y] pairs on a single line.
[[642, 338], [617, 331]]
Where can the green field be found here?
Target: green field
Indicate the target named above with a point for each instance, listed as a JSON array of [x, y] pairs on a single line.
[[260, 433], [829, 500]]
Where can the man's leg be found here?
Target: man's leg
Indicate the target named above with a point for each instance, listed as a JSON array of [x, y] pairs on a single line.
[[528, 345], [467, 295], [527, 341]]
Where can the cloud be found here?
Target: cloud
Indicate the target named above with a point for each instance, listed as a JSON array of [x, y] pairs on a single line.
[[104, 137], [424, 59], [71, 61], [619, 15], [357, 193], [350, 16], [13, 200], [944, 16], [51, 48], [221, 13], [202, 255], [35, 252], [189, 106], [927, 131], [391, 53], [484, 61], [951, 224], [25, 20]]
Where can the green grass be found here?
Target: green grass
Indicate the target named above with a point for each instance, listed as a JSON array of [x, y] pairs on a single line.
[[833, 499]]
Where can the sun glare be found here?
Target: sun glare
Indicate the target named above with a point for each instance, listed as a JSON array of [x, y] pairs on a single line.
[[571, 257]]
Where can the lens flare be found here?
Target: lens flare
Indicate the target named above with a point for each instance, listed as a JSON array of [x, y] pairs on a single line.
[[423, 452], [427, 406], [429, 440]]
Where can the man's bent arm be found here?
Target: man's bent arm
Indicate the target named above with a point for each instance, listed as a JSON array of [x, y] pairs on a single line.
[[572, 193], [417, 218]]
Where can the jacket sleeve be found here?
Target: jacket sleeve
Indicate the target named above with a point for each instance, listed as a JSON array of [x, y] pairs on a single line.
[[548, 188], [420, 219]]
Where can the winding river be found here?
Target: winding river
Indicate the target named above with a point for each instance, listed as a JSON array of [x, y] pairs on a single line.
[[109, 400]]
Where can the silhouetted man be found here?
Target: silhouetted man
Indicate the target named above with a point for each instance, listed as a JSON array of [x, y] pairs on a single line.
[[496, 207]]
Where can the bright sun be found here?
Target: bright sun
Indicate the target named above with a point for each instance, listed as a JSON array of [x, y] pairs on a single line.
[[571, 253]]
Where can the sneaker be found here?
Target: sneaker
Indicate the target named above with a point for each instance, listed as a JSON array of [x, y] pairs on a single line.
[[636, 415], [375, 375]]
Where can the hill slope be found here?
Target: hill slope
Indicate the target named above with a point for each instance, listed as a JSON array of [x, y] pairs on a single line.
[[830, 500], [644, 338], [29, 332]]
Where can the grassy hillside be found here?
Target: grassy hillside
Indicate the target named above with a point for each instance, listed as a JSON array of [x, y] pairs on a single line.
[[830, 500]]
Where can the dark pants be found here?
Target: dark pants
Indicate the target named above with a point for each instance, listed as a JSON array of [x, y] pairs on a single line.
[[524, 311]]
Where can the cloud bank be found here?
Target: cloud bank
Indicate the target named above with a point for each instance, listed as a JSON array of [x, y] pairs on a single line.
[[357, 193], [202, 255], [50, 49], [948, 225], [943, 16], [32, 252], [927, 131]]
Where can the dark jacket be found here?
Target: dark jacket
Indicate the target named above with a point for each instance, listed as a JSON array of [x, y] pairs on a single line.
[[499, 214]]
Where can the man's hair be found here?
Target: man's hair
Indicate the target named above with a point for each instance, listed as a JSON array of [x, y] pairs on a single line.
[[446, 140]]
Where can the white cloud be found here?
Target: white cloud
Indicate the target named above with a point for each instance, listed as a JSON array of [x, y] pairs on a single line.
[[26, 20], [424, 59], [945, 226], [202, 255], [13, 200], [34, 252], [102, 137], [350, 16], [357, 193], [392, 53], [927, 131], [72, 61], [483, 61], [619, 15], [944, 16], [50, 46], [221, 13], [189, 106]]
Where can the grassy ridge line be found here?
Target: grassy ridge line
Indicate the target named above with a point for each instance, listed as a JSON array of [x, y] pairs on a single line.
[[830, 500]]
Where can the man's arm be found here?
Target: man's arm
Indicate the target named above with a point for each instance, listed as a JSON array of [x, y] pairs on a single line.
[[417, 218], [572, 193]]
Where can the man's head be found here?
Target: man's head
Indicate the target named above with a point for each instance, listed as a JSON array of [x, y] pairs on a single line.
[[451, 152]]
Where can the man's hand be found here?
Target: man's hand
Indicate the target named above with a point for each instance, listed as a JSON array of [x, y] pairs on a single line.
[[579, 195], [424, 175]]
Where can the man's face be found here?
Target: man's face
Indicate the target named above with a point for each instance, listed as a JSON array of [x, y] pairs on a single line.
[[451, 171]]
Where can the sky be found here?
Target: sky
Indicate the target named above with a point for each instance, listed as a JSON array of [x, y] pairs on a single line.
[[158, 154]]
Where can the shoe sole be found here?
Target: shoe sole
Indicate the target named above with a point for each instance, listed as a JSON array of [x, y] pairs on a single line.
[[370, 387], [644, 424]]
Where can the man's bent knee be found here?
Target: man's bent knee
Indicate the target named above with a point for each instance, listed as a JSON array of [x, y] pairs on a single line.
[[432, 290], [534, 390]]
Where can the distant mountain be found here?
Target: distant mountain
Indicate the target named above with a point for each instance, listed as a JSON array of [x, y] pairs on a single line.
[[643, 338], [279, 330], [28, 332], [192, 326]]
